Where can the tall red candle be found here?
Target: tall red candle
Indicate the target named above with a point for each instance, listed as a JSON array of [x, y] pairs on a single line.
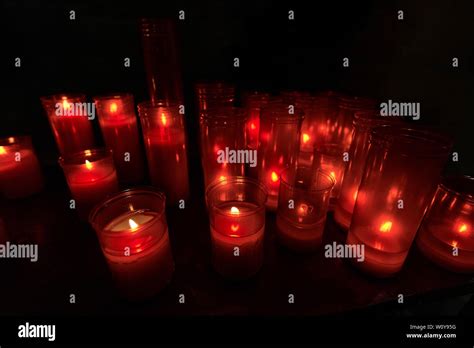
[[91, 177], [165, 142], [118, 122], [20, 173], [70, 121]]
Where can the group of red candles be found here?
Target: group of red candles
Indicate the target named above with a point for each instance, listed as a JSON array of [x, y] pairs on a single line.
[[314, 154]]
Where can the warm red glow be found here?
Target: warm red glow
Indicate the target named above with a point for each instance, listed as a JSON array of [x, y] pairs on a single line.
[[88, 165], [253, 126], [234, 228], [222, 178], [354, 196], [303, 209], [234, 211], [164, 120], [333, 175], [113, 107], [2, 150], [274, 177], [66, 105], [386, 227], [305, 138]]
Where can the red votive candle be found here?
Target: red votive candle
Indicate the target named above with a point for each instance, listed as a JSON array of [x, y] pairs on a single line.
[[302, 208], [119, 127], [165, 142], [133, 233], [222, 135], [20, 173], [446, 235], [279, 139], [402, 170], [237, 218], [340, 126], [91, 177], [330, 158], [70, 118], [364, 122]]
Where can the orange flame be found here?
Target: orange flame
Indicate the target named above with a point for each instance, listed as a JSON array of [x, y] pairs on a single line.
[[163, 119], [113, 107], [386, 227], [2, 150], [305, 138], [274, 177], [133, 225], [88, 165]]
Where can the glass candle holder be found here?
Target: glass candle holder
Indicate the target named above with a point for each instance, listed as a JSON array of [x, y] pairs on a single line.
[[161, 58], [223, 134], [165, 142], [402, 171], [340, 127], [20, 172], [118, 123], [330, 158], [133, 234], [363, 123], [91, 177], [280, 126], [302, 208], [70, 120], [237, 219], [446, 235], [214, 94], [253, 103]]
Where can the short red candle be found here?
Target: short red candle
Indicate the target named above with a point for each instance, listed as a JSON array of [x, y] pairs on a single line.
[[237, 218], [20, 173], [302, 208], [133, 234], [91, 177], [221, 128], [446, 235], [118, 123], [72, 126], [402, 170], [330, 158], [165, 142], [279, 139]]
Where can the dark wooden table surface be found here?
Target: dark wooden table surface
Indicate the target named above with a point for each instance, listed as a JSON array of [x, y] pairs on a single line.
[[71, 262]]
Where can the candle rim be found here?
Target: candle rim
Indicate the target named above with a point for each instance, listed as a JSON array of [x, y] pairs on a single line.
[[51, 99], [78, 158], [449, 182], [310, 189]]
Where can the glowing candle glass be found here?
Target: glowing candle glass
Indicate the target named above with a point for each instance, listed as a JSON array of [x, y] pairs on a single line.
[[446, 235], [91, 177], [339, 128], [20, 172], [330, 158], [119, 127], [133, 233], [402, 170], [279, 139], [164, 135], [161, 58], [221, 128], [70, 122], [363, 123], [237, 218], [302, 208], [214, 94]]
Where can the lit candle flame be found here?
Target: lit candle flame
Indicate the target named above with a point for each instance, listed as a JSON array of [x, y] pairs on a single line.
[[88, 165], [253, 126], [113, 107], [234, 211], [163, 119], [386, 226], [133, 225], [354, 196], [222, 178], [66, 105], [274, 177], [305, 138], [333, 175], [463, 228], [2, 150]]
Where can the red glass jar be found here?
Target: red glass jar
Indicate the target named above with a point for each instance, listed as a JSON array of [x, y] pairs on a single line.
[[402, 170], [118, 123], [222, 132], [162, 64], [340, 127], [133, 233], [364, 122], [446, 235], [280, 127], [164, 134], [70, 122]]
